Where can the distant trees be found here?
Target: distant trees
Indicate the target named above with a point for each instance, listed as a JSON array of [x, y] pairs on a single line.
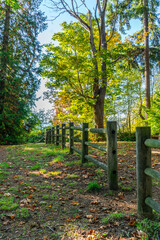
[[20, 25], [147, 11]]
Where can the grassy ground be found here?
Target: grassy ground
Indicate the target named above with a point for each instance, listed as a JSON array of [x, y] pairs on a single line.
[[47, 194]]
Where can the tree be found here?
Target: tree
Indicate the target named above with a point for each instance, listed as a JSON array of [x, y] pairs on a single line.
[[154, 113], [95, 25], [69, 69], [19, 53], [147, 12]]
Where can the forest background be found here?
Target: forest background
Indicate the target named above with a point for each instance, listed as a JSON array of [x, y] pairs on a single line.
[[93, 70]]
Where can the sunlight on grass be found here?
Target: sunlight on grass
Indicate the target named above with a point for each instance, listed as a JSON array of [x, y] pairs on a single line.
[[57, 159], [42, 170], [29, 149], [54, 173]]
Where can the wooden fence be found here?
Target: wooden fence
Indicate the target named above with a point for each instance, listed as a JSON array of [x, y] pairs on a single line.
[[58, 134], [145, 173]]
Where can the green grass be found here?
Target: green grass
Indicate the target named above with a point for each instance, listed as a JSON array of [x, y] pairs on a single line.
[[3, 175], [72, 184], [126, 188], [88, 164], [112, 217], [23, 213], [73, 163], [37, 166], [151, 228], [93, 187], [99, 171], [45, 196], [7, 203], [4, 165]]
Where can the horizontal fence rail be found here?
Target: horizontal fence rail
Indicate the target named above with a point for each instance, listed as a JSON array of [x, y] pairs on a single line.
[[153, 143], [58, 135], [145, 173], [96, 130], [94, 145], [98, 163]]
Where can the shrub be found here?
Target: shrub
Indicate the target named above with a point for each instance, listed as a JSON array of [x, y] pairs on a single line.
[[126, 136], [93, 187]]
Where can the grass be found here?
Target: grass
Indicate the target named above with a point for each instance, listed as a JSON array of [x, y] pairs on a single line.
[[55, 195], [7, 203], [112, 217], [3, 175], [150, 228], [37, 166], [4, 165], [23, 213], [93, 187], [73, 163]]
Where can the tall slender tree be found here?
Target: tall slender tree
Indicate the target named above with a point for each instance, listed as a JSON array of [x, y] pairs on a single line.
[[147, 12], [19, 52]]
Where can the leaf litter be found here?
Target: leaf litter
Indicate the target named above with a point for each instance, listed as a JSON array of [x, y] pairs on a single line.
[[58, 206]]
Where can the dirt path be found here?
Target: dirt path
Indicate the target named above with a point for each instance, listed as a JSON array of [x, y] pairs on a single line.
[[2, 153]]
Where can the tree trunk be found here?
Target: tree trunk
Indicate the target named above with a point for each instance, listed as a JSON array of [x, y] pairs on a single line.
[[4, 60], [99, 112], [4, 57], [146, 56]]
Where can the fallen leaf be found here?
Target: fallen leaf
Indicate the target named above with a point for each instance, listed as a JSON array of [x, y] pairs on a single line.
[[132, 222], [95, 202], [120, 195], [89, 216], [93, 210], [91, 232], [12, 216], [7, 194], [75, 203]]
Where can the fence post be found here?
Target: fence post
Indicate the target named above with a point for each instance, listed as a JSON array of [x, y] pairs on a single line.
[[143, 161], [49, 136], [46, 136], [71, 134], [112, 154], [84, 139], [63, 135], [52, 135], [57, 135]]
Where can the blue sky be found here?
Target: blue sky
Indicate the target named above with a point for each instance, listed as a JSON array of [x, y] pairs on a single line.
[[45, 37]]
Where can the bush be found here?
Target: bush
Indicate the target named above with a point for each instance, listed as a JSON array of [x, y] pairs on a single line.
[[93, 187], [36, 136], [126, 136]]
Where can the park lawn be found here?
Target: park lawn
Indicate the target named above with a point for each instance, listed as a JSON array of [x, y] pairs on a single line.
[[47, 194]]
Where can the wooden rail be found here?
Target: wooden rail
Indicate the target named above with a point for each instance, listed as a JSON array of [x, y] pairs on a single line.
[[54, 136], [145, 173]]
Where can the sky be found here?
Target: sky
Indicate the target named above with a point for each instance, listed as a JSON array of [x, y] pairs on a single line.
[[46, 36]]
